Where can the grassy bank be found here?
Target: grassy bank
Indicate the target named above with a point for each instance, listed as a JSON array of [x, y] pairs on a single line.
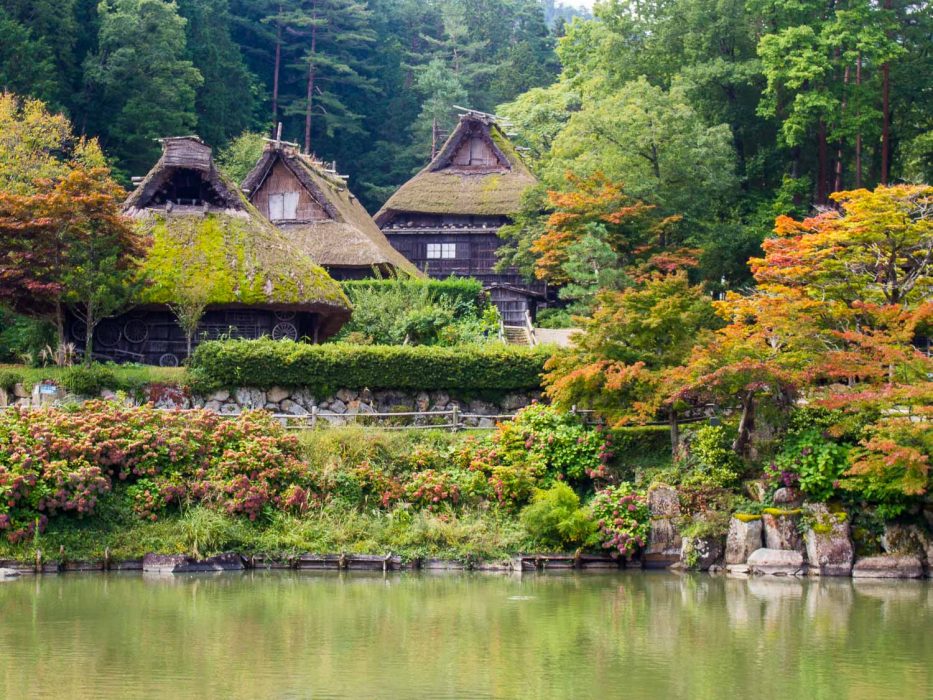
[[105, 477], [126, 377], [347, 521]]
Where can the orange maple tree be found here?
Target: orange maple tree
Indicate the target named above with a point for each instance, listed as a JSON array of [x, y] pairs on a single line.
[[635, 232]]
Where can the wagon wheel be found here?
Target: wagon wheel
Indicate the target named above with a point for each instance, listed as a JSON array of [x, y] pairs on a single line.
[[79, 331], [135, 331], [108, 334], [285, 315], [284, 330], [168, 360]]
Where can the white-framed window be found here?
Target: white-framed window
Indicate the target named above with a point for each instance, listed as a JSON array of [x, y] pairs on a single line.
[[442, 251], [283, 206]]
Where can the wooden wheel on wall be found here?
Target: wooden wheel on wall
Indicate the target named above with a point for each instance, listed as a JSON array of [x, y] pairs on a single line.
[[284, 330]]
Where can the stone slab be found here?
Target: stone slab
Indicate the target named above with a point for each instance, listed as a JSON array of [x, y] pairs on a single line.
[[776, 562], [182, 564], [888, 566]]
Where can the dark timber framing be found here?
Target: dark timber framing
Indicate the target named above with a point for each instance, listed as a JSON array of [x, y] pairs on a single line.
[[446, 219]]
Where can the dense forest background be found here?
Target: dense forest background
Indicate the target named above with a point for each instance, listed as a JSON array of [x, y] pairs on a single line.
[[719, 114]]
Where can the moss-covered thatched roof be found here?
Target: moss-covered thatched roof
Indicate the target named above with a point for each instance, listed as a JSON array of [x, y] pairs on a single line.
[[349, 237], [443, 188], [222, 250]]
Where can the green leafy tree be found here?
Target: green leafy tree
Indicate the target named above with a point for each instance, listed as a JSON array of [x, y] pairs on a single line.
[[240, 155], [100, 276], [141, 86], [225, 101], [619, 364], [26, 64]]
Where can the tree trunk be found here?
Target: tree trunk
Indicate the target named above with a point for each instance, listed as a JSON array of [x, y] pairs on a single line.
[[837, 186], [746, 423], [275, 74], [90, 322], [312, 71], [60, 324], [188, 336], [885, 114], [858, 133], [822, 165], [675, 432]]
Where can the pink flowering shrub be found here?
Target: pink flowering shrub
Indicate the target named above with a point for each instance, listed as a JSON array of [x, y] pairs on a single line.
[[431, 488], [60, 461], [622, 518]]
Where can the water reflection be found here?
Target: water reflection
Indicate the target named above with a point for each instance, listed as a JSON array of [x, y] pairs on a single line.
[[627, 635]]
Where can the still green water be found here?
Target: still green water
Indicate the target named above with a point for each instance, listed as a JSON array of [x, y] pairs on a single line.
[[625, 635]]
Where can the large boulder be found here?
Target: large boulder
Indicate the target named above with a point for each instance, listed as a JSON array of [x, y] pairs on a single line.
[[899, 538], [277, 394], [663, 502], [744, 538], [664, 541], [701, 553], [829, 547], [776, 562], [781, 529], [888, 566], [664, 544], [787, 496]]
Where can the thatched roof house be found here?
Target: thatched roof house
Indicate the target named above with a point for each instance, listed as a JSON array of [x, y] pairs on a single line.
[[477, 172], [317, 212], [209, 245], [447, 217]]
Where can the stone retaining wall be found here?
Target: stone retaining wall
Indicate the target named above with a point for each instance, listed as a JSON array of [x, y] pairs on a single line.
[[340, 408]]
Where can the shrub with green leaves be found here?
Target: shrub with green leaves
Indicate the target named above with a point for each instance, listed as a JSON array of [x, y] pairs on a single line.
[[411, 311], [88, 380], [559, 441], [324, 368], [712, 460], [540, 446], [816, 463], [9, 378], [555, 519]]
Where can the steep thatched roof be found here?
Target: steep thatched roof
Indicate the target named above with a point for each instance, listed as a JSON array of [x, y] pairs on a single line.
[[215, 245], [444, 187], [348, 237]]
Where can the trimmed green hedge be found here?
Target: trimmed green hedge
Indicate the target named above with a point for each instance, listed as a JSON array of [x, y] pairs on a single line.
[[324, 368], [459, 291]]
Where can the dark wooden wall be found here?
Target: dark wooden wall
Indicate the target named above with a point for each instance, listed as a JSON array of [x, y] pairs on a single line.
[[153, 337]]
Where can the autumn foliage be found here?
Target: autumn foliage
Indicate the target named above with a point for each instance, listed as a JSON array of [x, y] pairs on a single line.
[[838, 317], [637, 234]]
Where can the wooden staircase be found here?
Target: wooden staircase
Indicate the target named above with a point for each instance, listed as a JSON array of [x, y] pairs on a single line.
[[515, 335]]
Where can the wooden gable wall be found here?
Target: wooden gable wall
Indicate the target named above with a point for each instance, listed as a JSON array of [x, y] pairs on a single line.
[[282, 181], [475, 152]]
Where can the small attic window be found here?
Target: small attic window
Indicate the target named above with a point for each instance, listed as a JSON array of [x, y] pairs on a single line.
[[283, 206]]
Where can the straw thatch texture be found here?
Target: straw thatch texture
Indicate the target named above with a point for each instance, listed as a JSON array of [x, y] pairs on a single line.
[[228, 254], [444, 188], [343, 235]]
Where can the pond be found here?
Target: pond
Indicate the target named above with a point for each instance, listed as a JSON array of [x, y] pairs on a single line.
[[625, 635]]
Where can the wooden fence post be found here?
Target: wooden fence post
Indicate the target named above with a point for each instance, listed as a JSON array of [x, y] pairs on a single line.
[[456, 418], [313, 417]]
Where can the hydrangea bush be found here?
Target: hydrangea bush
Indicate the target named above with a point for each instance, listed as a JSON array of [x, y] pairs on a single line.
[[623, 518]]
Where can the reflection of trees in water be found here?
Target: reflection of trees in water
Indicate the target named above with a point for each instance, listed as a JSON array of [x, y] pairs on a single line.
[[569, 636]]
